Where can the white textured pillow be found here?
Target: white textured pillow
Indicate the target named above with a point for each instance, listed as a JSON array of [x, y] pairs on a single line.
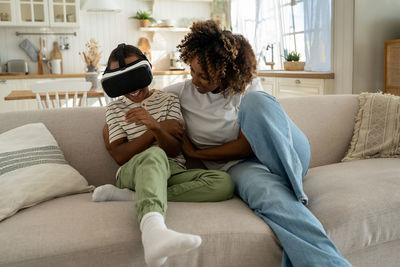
[[33, 169], [377, 128]]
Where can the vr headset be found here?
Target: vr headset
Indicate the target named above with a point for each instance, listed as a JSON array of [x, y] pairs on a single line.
[[128, 77]]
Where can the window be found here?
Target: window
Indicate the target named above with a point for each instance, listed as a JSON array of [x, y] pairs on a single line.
[[275, 26], [292, 14]]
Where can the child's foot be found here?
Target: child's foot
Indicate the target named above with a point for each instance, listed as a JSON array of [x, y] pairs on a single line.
[[109, 192], [159, 242]]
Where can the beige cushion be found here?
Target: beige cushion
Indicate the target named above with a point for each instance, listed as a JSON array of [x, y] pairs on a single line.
[[377, 128], [357, 202], [33, 169]]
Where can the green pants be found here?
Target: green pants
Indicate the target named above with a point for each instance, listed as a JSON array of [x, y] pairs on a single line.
[[157, 180]]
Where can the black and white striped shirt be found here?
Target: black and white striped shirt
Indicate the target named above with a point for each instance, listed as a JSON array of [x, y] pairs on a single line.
[[161, 105]]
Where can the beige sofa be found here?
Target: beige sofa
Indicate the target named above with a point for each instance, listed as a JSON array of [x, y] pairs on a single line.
[[358, 202]]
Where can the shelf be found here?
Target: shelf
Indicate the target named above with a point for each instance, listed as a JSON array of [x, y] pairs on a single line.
[[163, 29]]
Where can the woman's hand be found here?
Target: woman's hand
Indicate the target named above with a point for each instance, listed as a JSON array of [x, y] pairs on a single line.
[[142, 116], [188, 148], [174, 128]]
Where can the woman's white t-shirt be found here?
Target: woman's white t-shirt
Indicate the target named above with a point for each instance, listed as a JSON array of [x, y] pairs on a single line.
[[210, 119]]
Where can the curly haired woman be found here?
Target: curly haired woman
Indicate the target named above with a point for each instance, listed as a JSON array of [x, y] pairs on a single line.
[[233, 125]]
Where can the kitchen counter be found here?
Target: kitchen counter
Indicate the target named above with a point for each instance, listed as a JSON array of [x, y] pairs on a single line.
[[296, 74], [4, 76], [267, 73]]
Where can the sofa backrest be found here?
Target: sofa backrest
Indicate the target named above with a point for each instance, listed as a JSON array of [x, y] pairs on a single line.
[[326, 120], [78, 132]]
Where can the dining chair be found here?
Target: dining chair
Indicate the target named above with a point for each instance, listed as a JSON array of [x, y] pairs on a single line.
[[61, 93]]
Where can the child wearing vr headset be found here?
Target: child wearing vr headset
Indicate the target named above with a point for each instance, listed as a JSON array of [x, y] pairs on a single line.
[[149, 150]]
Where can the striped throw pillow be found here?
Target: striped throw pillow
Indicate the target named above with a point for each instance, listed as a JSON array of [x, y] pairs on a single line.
[[33, 169]]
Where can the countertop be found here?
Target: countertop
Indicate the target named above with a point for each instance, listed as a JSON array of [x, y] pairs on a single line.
[[267, 73]]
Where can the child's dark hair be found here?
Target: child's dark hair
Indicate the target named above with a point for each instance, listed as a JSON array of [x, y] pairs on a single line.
[[129, 50], [225, 57]]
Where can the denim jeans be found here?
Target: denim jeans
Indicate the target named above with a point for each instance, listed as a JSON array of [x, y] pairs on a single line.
[[271, 183]]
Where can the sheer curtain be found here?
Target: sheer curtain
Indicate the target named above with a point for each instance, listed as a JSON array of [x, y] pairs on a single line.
[[263, 22], [259, 22], [317, 34]]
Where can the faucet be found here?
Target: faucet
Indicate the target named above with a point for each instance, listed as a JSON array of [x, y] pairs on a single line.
[[271, 63]]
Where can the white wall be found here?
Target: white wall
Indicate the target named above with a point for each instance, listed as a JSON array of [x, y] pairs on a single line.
[[374, 23], [343, 45], [109, 29]]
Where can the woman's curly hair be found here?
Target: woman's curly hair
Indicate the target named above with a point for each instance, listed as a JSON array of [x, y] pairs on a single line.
[[226, 58]]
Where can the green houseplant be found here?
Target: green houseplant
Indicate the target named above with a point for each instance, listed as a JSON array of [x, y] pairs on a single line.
[[144, 18], [292, 61]]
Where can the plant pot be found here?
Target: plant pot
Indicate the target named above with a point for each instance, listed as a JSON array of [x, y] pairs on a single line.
[[144, 23], [294, 65]]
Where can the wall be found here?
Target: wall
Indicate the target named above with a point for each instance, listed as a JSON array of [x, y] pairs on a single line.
[[109, 29], [342, 45], [374, 23]]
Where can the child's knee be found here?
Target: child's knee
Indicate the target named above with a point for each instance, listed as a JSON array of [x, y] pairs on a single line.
[[224, 185]]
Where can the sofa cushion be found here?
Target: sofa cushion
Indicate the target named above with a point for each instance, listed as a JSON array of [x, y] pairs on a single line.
[[33, 169], [377, 128], [358, 202], [74, 231]]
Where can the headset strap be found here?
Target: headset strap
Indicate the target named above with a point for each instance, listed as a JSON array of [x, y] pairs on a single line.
[[121, 55]]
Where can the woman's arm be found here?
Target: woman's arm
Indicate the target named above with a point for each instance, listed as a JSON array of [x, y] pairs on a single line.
[[236, 149]]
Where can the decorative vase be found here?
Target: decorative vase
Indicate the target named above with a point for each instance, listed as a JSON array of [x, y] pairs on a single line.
[[294, 65], [92, 77], [144, 22]]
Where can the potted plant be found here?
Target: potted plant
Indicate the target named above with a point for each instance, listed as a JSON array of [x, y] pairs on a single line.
[[292, 61], [92, 58], [144, 18]]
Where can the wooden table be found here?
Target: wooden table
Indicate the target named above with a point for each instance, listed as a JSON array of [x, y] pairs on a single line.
[[28, 94]]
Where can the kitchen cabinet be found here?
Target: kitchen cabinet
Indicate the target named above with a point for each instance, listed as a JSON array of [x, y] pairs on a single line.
[[7, 13], [288, 87], [40, 13], [268, 84]]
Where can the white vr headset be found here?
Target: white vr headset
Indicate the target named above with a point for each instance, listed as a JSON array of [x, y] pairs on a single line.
[[128, 77]]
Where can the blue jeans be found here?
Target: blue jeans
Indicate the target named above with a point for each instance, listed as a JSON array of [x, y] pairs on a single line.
[[271, 183]]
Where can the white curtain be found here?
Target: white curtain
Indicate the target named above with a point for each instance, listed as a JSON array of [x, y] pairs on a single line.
[[259, 22], [317, 34]]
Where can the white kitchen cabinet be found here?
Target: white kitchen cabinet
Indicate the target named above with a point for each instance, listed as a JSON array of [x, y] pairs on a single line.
[[288, 87], [8, 15], [299, 87], [268, 84], [32, 13], [64, 13], [40, 13]]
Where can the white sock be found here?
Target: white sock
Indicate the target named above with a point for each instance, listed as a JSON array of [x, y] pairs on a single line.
[[159, 242], [109, 192]]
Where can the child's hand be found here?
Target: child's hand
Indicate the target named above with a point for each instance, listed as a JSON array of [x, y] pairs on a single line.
[[142, 116], [174, 128]]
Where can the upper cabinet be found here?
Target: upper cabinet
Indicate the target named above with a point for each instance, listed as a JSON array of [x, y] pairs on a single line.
[[64, 13], [42, 13], [7, 12], [32, 13]]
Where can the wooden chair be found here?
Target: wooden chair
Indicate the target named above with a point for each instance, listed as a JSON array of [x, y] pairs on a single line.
[[60, 92]]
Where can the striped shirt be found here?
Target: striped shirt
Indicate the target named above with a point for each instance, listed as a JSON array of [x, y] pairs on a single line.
[[161, 105]]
